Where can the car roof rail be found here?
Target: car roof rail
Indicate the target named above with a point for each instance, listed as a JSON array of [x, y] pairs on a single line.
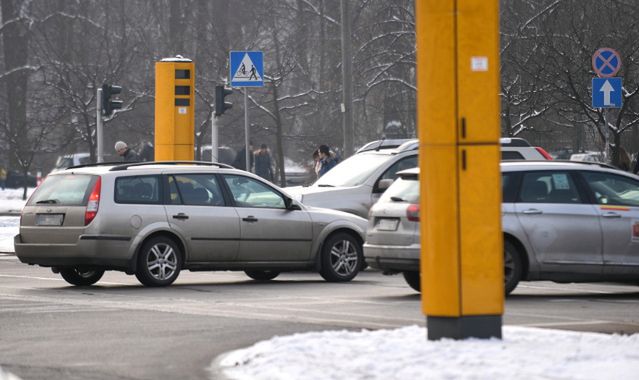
[[111, 163], [593, 163], [412, 144], [147, 163]]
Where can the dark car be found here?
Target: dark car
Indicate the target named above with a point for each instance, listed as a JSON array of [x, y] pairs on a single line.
[[16, 180]]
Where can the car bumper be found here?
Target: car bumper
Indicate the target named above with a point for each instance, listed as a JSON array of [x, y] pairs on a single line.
[[88, 250], [393, 257]]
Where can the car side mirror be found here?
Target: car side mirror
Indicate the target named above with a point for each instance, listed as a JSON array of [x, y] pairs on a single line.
[[384, 184], [290, 205]]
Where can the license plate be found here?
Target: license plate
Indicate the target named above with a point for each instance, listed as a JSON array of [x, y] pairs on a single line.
[[387, 224], [49, 219]]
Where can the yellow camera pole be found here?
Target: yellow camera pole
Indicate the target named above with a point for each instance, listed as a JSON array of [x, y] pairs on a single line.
[[174, 109], [458, 115]]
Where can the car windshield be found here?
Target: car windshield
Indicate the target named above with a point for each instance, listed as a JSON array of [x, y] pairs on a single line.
[[62, 190], [353, 171], [402, 190]]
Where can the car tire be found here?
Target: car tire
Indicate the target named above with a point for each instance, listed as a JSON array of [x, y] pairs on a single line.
[[413, 280], [81, 276], [513, 267], [341, 257], [262, 275], [159, 262]]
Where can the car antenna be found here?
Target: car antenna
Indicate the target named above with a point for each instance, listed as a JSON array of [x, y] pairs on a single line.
[[379, 146]]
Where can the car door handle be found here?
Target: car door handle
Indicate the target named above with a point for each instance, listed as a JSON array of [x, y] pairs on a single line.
[[532, 211], [181, 216], [611, 215], [250, 219]]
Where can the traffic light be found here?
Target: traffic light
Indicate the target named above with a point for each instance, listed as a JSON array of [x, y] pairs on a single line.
[[109, 105], [220, 104]]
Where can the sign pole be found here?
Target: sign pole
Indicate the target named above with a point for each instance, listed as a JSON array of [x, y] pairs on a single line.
[[246, 130], [99, 133], [246, 69]]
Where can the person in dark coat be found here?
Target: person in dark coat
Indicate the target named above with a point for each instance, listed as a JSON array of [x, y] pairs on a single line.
[[240, 158], [327, 161], [263, 166], [125, 152]]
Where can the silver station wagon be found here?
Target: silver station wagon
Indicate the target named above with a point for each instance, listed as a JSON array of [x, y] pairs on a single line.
[[155, 219], [562, 221]]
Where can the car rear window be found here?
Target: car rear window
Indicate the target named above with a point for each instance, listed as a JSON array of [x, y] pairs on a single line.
[[404, 189], [63, 190]]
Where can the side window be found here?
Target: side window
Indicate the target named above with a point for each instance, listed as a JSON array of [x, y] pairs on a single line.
[[511, 155], [405, 163], [549, 187], [612, 189], [509, 183], [249, 192], [195, 190], [137, 190]]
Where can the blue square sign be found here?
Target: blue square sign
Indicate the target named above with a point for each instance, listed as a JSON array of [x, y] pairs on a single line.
[[246, 68], [606, 92]]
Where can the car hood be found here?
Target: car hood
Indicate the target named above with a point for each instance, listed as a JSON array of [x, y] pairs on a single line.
[[314, 193], [327, 215]]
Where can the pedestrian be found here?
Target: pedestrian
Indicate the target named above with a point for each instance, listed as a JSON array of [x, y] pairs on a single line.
[[3, 177], [240, 158], [317, 165], [127, 154], [624, 159], [263, 166], [327, 161]]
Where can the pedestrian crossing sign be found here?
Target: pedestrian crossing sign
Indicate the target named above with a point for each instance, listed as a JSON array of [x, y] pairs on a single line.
[[246, 68]]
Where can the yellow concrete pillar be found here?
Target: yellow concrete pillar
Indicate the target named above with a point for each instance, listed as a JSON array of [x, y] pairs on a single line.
[[174, 109], [458, 116]]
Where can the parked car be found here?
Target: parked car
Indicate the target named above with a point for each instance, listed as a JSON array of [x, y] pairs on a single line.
[[515, 148], [562, 221], [155, 219], [72, 159], [588, 156], [16, 179], [356, 183]]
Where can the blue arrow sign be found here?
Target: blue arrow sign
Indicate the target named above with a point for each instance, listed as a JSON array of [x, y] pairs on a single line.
[[246, 68], [606, 92]]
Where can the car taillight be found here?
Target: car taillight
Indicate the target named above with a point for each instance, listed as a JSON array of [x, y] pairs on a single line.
[[543, 153], [412, 212], [94, 202]]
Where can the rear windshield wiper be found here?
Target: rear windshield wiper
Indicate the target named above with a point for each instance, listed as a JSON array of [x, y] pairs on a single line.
[[324, 185], [397, 199], [47, 201]]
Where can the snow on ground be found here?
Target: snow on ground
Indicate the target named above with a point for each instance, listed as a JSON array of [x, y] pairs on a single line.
[[405, 353], [10, 203], [9, 226], [11, 200]]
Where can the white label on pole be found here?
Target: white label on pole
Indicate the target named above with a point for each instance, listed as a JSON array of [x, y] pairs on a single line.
[[479, 63], [182, 110]]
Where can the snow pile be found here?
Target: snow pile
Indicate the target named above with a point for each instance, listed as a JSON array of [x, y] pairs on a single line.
[[7, 375], [405, 353], [11, 200], [9, 227]]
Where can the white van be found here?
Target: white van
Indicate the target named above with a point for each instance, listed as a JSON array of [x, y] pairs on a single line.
[[73, 159]]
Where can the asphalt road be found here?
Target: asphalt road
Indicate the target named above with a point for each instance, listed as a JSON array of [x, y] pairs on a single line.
[[120, 330]]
